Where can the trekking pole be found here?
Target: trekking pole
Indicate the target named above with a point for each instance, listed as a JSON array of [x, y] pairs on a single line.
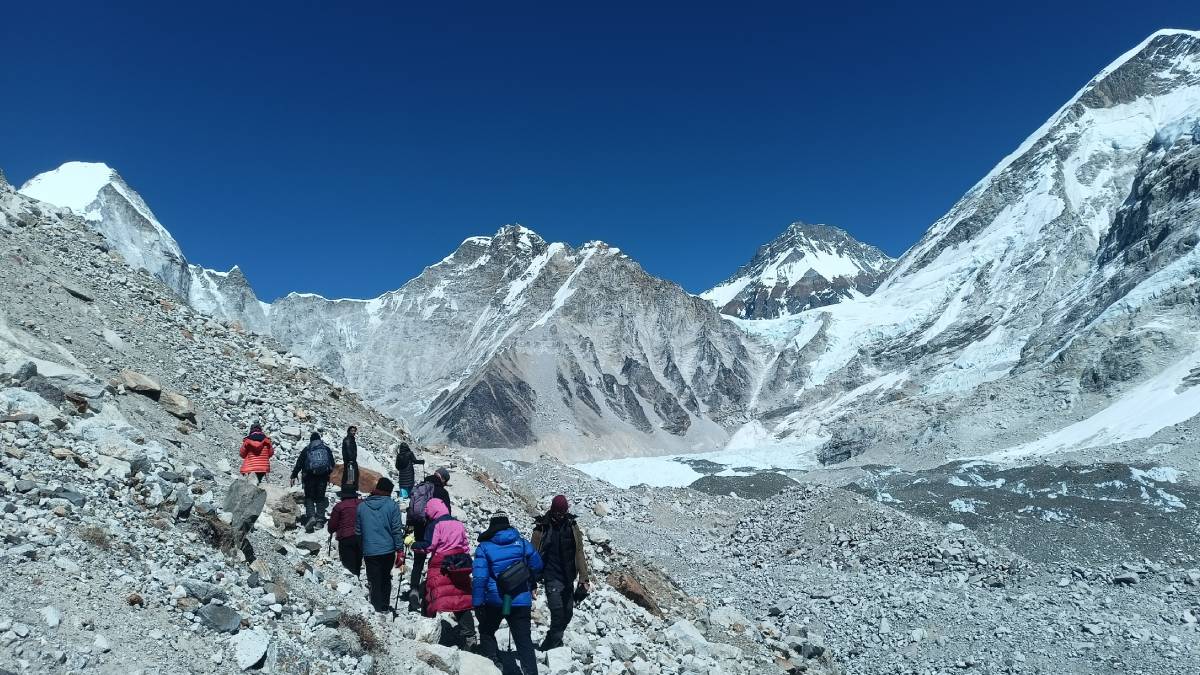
[[329, 546]]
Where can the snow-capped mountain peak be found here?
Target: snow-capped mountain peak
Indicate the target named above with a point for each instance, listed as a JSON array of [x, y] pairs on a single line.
[[809, 265], [98, 194]]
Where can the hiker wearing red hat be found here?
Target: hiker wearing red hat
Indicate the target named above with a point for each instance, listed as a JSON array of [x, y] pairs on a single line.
[[559, 541]]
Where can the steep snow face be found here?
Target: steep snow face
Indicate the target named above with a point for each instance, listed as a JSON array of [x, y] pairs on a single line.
[[1062, 278], [514, 342], [99, 195], [807, 266]]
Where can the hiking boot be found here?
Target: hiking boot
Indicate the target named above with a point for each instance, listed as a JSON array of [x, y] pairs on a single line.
[[551, 642], [309, 528]]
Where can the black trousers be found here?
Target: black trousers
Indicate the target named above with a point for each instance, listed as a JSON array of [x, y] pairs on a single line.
[[560, 598], [315, 500], [418, 565], [379, 579], [350, 553], [519, 619]]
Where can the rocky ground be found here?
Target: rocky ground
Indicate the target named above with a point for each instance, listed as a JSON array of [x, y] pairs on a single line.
[[121, 411], [888, 582], [120, 414]]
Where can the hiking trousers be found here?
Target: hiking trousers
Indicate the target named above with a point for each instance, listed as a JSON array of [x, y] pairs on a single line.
[[350, 553], [379, 579], [560, 599], [316, 503], [519, 619]]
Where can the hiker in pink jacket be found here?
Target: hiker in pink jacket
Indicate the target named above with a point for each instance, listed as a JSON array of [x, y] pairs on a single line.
[[448, 581]]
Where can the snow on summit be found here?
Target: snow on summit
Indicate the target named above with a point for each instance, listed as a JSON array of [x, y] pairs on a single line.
[[73, 185]]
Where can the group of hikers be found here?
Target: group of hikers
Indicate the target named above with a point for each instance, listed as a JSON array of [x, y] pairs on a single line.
[[495, 584]]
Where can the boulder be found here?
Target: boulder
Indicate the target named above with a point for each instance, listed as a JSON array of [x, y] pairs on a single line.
[[220, 618], [250, 648], [474, 664], [178, 405], [139, 383], [244, 502], [203, 591], [625, 584]]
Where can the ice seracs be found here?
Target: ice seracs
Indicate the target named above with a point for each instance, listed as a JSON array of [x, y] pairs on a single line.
[[807, 266]]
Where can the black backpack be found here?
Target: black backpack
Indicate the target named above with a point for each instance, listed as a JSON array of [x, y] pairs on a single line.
[[457, 565], [316, 460]]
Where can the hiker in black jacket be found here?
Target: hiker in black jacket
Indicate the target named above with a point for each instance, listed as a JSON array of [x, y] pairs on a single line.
[[406, 470], [559, 541], [316, 463], [350, 458]]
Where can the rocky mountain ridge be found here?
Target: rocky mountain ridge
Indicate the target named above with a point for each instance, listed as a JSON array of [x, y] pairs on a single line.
[[1031, 320]]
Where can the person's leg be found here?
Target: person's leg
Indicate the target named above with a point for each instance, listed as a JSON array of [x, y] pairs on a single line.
[[466, 628], [379, 574], [558, 615], [519, 620], [261, 475], [414, 585], [323, 508], [310, 512], [489, 621], [350, 553]]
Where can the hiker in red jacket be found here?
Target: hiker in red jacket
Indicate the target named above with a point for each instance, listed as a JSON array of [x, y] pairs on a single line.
[[341, 523], [256, 453]]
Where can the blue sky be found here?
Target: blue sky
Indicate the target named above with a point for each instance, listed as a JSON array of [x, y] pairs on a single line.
[[340, 150]]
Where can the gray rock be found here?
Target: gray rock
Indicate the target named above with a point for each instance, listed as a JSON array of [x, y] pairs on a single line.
[[203, 591], [1126, 579], [139, 384], [178, 405], [220, 618], [244, 502], [250, 648]]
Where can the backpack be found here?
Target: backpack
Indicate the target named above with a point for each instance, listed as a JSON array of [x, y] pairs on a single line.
[[417, 501], [316, 460], [457, 565]]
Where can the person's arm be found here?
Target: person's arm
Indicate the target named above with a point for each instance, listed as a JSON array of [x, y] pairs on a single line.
[[480, 572], [535, 561], [299, 466], [581, 566], [243, 451], [335, 520], [536, 538], [269, 447], [358, 520]]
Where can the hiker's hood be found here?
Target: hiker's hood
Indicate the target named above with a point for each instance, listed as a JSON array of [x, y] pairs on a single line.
[[257, 437], [435, 509], [376, 502]]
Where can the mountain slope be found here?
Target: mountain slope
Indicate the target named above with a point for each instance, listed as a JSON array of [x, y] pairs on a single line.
[[805, 267], [1063, 278], [515, 342], [97, 193]]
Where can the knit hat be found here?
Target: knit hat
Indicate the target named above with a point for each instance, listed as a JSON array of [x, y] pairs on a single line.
[[255, 427], [384, 487], [314, 436], [443, 474], [497, 523], [559, 504], [348, 492]]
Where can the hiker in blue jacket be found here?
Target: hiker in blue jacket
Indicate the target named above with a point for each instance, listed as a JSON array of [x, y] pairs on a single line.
[[379, 524], [501, 547]]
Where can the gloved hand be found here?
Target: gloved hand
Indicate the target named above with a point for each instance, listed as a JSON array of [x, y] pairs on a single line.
[[399, 562], [410, 539]]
